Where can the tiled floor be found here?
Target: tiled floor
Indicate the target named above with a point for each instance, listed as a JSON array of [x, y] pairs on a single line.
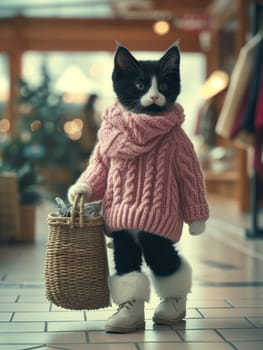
[[224, 310]]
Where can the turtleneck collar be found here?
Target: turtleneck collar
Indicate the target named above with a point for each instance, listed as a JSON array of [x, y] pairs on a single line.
[[125, 134]]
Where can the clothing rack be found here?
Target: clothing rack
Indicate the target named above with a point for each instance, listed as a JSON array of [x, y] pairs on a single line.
[[255, 231]]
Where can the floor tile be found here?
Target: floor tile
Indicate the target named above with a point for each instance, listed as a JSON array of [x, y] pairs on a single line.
[[17, 346], [55, 308], [46, 348], [7, 299], [225, 292], [214, 323], [193, 313], [32, 299], [49, 316], [43, 338], [93, 325], [141, 336], [216, 303], [190, 313], [102, 315], [246, 302], [17, 307], [232, 312], [242, 334], [226, 302], [255, 345], [98, 325], [22, 291], [186, 346], [150, 325], [200, 335], [5, 316], [22, 327], [257, 321], [101, 347], [193, 303]]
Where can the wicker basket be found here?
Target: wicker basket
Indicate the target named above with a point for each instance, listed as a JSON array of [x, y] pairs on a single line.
[[76, 267], [9, 208]]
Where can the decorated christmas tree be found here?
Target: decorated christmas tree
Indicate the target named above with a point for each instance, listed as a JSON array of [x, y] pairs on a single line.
[[39, 138]]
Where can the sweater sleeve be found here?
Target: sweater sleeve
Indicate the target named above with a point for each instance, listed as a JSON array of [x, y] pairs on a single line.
[[190, 180], [96, 173]]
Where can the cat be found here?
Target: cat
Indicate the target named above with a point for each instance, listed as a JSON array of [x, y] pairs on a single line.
[[145, 171], [149, 87], [91, 210]]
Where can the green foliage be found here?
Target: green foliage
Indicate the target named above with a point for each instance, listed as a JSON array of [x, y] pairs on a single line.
[[41, 126], [28, 185], [39, 139]]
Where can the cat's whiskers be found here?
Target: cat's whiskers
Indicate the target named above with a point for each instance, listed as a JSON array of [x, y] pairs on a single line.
[[133, 106]]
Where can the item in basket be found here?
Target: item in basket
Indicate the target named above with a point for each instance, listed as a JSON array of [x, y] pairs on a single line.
[[75, 277], [63, 208], [91, 210]]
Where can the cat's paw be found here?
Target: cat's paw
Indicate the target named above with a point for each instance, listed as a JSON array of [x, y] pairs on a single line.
[[197, 227], [79, 188]]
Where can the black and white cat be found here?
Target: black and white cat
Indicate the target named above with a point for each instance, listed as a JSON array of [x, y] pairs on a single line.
[[135, 171], [149, 87]]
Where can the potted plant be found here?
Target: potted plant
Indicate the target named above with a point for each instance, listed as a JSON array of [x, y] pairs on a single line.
[[9, 207], [30, 194], [24, 186]]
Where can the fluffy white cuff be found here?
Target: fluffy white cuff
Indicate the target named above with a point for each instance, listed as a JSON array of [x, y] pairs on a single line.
[[197, 227], [79, 188], [176, 285], [131, 286]]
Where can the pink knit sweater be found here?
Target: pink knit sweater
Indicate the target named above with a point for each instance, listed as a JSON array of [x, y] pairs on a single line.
[[146, 172]]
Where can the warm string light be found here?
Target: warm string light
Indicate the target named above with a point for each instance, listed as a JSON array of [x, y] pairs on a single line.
[[35, 125], [161, 27], [94, 70], [4, 125], [216, 83], [69, 97], [73, 129]]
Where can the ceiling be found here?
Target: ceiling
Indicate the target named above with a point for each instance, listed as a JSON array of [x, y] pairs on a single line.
[[144, 9]]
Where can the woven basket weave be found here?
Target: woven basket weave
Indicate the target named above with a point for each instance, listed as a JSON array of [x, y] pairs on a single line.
[[9, 208], [76, 267]]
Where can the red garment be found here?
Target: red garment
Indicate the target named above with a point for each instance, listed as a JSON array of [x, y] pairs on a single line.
[[258, 155], [259, 107]]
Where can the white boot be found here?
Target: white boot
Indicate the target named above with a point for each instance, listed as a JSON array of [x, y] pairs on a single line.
[[173, 292], [129, 291]]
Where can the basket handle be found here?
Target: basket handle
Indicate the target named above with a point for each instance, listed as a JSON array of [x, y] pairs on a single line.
[[74, 211]]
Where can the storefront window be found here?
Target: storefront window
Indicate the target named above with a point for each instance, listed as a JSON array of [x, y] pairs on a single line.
[[4, 83], [4, 96]]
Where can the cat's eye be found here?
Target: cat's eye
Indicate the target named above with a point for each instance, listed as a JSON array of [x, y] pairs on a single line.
[[140, 86], [163, 87]]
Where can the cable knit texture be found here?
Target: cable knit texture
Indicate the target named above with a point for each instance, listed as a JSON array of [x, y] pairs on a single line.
[[145, 170]]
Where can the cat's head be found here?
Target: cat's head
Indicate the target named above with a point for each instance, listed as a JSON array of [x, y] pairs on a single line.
[[149, 87]]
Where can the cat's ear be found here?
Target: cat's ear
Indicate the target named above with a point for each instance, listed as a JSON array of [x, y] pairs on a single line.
[[124, 59], [171, 58]]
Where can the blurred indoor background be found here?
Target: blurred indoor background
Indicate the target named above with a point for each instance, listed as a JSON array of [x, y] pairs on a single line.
[[56, 59]]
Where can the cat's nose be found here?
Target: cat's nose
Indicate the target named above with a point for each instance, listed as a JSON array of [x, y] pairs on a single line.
[[154, 97]]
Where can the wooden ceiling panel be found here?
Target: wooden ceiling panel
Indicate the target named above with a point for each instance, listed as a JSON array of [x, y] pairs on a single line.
[[90, 34], [160, 8], [185, 6]]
